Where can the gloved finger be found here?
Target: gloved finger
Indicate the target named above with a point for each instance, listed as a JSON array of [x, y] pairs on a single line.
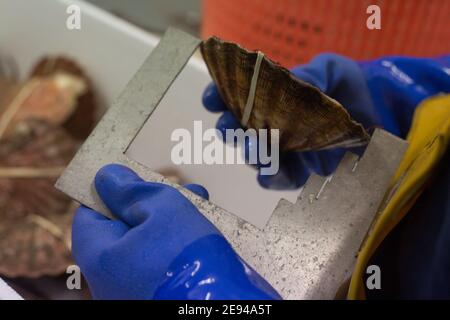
[[323, 162], [115, 185], [313, 74], [329, 72], [227, 121], [342, 79], [336, 75], [92, 232], [329, 160], [134, 200], [250, 151], [198, 190], [211, 99], [292, 174], [283, 180]]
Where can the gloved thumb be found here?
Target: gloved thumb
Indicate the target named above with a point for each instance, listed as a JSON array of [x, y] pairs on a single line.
[[115, 185], [134, 200], [198, 190]]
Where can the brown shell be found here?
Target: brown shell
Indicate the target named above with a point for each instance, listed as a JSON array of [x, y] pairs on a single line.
[[35, 218], [29, 250], [82, 121], [8, 90], [55, 109], [45, 98], [307, 118]]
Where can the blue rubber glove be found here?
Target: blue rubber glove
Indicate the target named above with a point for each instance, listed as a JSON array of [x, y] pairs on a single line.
[[398, 85], [381, 93], [160, 247]]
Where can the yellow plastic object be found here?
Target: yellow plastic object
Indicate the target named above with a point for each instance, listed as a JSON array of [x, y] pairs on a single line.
[[428, 140]]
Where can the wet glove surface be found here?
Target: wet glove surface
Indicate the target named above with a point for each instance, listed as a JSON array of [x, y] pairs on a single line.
[[160, 246]]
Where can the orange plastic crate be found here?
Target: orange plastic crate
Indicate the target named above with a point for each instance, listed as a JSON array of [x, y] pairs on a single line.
[[293, 31]]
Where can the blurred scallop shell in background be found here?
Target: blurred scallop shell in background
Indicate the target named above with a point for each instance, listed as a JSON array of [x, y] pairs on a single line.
[[43, 120], [35, 219]]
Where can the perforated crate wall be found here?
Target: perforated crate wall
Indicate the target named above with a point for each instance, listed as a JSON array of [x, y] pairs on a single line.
[[293, 31]]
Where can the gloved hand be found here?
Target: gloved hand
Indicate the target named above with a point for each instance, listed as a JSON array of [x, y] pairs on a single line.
[[381, 93], [160, 247]]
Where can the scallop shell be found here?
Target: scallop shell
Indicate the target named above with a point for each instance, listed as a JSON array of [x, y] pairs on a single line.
[[307, 118], [56, 109], [35, 218], [83, 119]]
